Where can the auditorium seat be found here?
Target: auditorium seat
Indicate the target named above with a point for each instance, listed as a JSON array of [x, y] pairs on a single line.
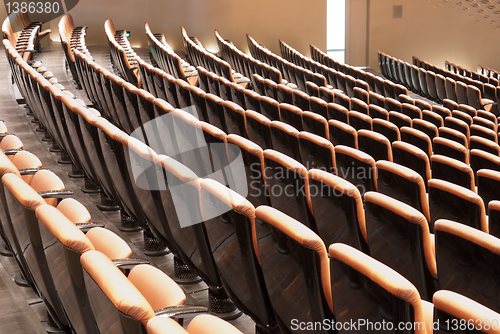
[[378, 112], [459, 125], [253, 160], [326, 95], [484, 144], [230, 222], [480, 159], [288, 186], [343, 100], [284, 94], [300, 100], [316, 152], [399, 119], [481, 131], [235, 119], [376, 99], [292, 115], [318, 106], [125, 304], [453, 135], [285, 139], [258, 129], [252, 100], [215, 111], [412, 157], [450, 149], [364, 288], [463, 116], [494, 218], [432, 117], [295, 265], [461, 90], [449, 103], [452, 170], [315, 123], [375, 144], [342, 134], [269, 108], [360, 121], [338, 112], [422, 105], [392, 105], [452, 307], [405, 231], [411, 111], [465, 254], [451, 201], [356, 167], [487, 185], [361, 95], [386, 128], [417, 138], [426, 127], [359, 106], [485, 123], [472, 112], [441, 111]]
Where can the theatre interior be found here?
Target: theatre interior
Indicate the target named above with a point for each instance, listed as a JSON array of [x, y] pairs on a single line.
[[266, 166]]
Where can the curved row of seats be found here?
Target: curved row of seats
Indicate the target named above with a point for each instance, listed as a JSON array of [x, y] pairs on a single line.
[[261, 252], [244, 63], [72, 37], [289, 71], [49, 233], [24, 35], [166, 59], [438, 87], [200, 57], [473, 86], [123, 56], [457, 69], [346, 135], [487, 71]]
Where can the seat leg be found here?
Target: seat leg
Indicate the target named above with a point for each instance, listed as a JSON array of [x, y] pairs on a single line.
[[65, 159], [47, 137], [76, 172], [50, 325], [183, 274], [5, 251], [90, 187], [55, 148], [220, 305], [153, 246], [107, 203], [128, 224], [20, 280]]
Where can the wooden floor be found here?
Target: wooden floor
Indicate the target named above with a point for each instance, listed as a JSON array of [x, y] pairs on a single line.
[[21, 311]]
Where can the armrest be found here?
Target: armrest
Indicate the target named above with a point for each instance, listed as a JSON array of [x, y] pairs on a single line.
[[30, 171], [181, 312], [23, 51], [85, 227], [12, 151], [485, 102], [56, 194], [129, 263]]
